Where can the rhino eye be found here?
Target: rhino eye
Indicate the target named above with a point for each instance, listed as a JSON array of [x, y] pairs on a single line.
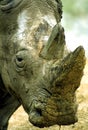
[[19, 61]]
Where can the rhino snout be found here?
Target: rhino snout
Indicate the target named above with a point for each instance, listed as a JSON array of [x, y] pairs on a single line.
[[36, 114], [42, 115]]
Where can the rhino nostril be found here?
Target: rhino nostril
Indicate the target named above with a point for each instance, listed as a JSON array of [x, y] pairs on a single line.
[[36, 117], [38, 108], [36, 114], [38, 111]]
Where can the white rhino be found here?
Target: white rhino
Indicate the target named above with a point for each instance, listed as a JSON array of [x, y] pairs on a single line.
[[36, 70]]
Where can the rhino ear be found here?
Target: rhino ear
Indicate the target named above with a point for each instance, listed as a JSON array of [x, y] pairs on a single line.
[[6, 5], [70, 70]]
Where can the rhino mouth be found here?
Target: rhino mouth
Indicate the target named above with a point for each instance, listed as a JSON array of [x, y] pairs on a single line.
[[40, 117], [7, 5], [37, 119]]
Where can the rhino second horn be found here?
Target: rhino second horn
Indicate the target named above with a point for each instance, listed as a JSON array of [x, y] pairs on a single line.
[[55, 44]]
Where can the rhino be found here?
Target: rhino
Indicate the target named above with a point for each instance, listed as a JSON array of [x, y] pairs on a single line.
[[36, 69]]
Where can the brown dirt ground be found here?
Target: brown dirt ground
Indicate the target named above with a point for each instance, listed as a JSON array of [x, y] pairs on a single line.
[[19, 120]]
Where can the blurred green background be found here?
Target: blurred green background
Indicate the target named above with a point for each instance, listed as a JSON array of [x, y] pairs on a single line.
[[75, 22]]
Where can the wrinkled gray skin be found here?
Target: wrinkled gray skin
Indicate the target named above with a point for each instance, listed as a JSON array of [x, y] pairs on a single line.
[[34, 69]]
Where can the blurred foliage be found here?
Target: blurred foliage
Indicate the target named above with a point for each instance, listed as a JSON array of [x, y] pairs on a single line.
[[75, 22], [76, 7]]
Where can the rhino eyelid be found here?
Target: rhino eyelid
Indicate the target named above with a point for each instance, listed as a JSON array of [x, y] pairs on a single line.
[[23, 49], [19, 63]]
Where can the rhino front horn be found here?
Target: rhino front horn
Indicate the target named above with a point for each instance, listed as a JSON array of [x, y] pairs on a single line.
[[70, 70]]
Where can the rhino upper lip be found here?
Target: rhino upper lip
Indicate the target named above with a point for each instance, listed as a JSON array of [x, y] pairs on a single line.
[[69, 113], [10, 5], [62, 114]]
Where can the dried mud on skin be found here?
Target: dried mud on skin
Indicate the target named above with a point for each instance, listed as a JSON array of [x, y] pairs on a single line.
[[19, 121]]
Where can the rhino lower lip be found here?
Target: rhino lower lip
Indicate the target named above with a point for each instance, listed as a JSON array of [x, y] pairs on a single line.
[[10, 5]]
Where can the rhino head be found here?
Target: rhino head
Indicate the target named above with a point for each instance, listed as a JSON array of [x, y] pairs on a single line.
[[46, 89], [37, 68]]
